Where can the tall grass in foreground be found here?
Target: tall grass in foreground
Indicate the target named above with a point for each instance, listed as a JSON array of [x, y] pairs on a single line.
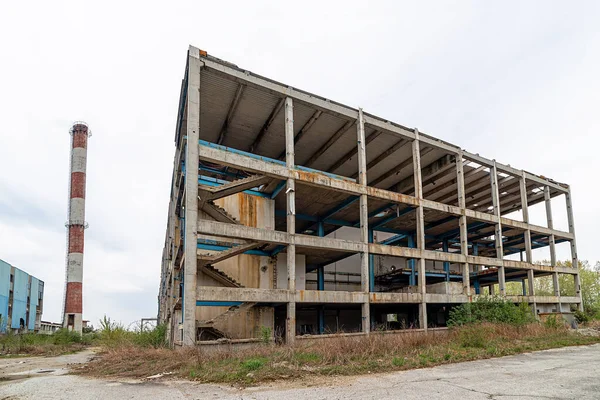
[[62, 341], [113, 334], [341, 355]]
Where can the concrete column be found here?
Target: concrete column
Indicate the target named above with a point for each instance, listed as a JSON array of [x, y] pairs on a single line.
[[574, 259], [364, 221], [291, 221], [498, 231], [527, 239], [191, 199], [464, 245], [416, 153], [551, 240]]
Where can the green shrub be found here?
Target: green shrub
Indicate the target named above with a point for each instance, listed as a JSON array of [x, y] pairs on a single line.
[[398, 361], [151, 338], [553, 322], [65, 336], [253, 364], [265, 334], [113, 334], [490, 309], [581, 317]]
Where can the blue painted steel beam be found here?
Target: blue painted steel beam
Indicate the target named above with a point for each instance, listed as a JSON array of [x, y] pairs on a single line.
[[278, 189], [304, 217], [214, 247], [321, 278], [278, 249], [470, 227], [446, 263], [345, 204], [271, 160], [477, 286], [411, 263], [218, 303], [220, 172], [393, 239], [371, 265], [321, 320]]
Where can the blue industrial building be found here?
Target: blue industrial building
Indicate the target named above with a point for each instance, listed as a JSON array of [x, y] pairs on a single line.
[[21, 299]]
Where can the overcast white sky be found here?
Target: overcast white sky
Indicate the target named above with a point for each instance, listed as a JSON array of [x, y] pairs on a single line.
[[515, 81]]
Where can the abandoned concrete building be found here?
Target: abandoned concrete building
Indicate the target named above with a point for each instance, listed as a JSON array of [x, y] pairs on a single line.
[[293, 216]]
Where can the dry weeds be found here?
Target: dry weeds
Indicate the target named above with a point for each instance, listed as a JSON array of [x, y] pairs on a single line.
[[333, 356]]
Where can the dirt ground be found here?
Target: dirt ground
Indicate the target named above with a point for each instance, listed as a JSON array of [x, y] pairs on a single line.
[[568, 373]]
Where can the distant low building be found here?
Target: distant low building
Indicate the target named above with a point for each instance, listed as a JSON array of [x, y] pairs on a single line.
[[21, 300], [48, 328]]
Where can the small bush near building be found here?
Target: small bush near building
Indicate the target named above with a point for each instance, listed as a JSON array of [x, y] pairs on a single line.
[[491, 309]]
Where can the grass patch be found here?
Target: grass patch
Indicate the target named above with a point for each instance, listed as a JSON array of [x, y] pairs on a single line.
[[111, 335], [253, 364], [343, 355], [398, 361], [61, 342]]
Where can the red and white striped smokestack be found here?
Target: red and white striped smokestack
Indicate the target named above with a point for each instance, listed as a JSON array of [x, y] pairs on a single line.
[[72, 318]]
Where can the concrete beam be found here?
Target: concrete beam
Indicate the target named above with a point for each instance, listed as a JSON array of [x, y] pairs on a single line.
[[391, 298], [515, 172], [225, 254], [217, 192], [263, 167], [323, 296], [217, 293]]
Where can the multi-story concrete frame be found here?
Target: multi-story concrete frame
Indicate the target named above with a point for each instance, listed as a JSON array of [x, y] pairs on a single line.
[[331, 183], [72, 318]]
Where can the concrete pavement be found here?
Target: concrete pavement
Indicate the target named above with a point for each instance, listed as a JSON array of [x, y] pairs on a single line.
[[569, 373]]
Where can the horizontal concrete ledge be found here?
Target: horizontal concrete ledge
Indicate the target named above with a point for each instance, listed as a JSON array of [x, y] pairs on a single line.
[[270, 236], [330, 335], [262, 167], [215, 293], [374, 332], [222, 229], [226, 295], [447, 298], [322, 296], [544, 299], [383, 298], [225, 342]]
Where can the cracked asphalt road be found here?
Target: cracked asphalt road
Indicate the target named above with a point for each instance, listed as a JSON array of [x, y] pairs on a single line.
[[569, 373]]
